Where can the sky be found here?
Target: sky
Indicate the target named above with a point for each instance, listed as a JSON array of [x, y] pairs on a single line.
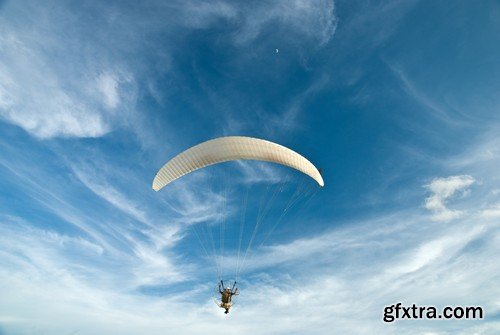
[[396, 101]]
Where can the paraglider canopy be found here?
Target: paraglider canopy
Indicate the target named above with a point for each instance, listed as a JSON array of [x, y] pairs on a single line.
[[263, 201], [231, 148]]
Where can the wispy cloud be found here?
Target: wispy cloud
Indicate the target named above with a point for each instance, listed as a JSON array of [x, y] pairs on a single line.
[[443, 189], [314, 20], [420, 96], [289, 119], [87, 247], [421, 261], [108, 85], [491, 212], [54, 91], [482, 154], [35, 96], [201, 13], [82, 96], [107, 192], [255, 172]]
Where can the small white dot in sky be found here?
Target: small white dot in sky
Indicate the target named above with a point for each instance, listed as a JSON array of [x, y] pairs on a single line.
[[277, 51]]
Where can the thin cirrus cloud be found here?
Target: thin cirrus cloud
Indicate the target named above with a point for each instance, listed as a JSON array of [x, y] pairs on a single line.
[[87, 247], [443, 189], [108, 84], [110, 194], [339, 264], [32, 89], [314, 20], [38, 81], [55, 91], [424, 267]]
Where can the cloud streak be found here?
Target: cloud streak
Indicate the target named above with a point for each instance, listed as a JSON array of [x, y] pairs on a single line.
[[87, 247], [317, 21], [35, 97], [442, 189]]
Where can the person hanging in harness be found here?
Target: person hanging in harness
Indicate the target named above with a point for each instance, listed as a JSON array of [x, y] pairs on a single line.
[[226, 295]]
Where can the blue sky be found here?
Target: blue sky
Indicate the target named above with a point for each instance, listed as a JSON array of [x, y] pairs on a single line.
[[396, 101]]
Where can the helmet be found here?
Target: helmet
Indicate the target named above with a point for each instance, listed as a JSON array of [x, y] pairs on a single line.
[[228, 288]]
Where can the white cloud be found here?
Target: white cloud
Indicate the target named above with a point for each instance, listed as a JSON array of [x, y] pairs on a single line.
[[255, 172], [336, 281], [415, 92], [482, 155], [196, 204], [344, 292], [491, 212], [199, 14], [154, 268], [434, 250], [316, 20], [33, 95], [288, 120], [443, 189], [107, 84], [107, 192], [56, 82]]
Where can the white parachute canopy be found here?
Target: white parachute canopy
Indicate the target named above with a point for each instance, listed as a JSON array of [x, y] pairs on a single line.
[[231, 148]]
